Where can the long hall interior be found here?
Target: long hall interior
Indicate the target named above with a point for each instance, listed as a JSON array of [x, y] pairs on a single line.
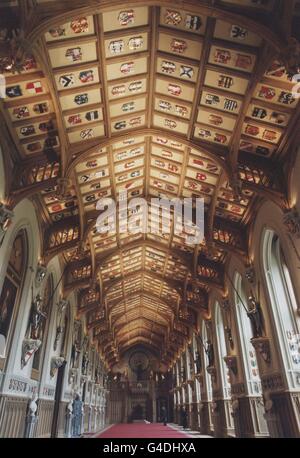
[[109, 326]]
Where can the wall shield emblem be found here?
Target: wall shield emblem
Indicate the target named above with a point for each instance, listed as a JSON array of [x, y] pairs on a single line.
[[116, 46], [178, 46], [118, 90], [135, 86], [86, 133], [80, 25], [86, 76], [135, 43], [81, 99], [174, 89], [193, 22], [74, 54], [172, 17], [168, 67], [126, 17], [127, 68], [67, 80]]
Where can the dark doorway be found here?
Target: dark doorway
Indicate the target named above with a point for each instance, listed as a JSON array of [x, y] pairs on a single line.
[[57, 398]]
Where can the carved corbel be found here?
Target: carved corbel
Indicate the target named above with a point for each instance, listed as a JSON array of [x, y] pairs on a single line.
[[29, 347], [231, 363], [56, 363], [262, 348]]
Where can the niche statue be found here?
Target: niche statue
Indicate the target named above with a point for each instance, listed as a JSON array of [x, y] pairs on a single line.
[[255, 316], [36, 318], [210, 353]]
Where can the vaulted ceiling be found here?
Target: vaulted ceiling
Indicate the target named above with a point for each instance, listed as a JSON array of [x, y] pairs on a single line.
[[155, 101]]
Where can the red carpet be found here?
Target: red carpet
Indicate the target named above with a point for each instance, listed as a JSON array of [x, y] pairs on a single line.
[[137, 430]]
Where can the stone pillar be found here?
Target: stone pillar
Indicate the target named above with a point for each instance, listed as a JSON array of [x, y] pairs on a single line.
[[205, 422], [90, 413]]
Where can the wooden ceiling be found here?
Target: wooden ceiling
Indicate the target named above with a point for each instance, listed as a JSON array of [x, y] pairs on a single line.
[[159, 102]]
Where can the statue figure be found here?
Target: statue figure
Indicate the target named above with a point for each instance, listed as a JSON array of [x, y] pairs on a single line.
[[85, 363], [210, 353], [77, 416], [256, 318], [36, 317], [198, 362]]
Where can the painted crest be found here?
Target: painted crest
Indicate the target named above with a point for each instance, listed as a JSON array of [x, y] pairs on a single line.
[[164, 105], [230, 105], [129, 106], [75, 119], [118, 90], [14, 91], [259, 113], [86, 76], [222, 56], [34, 87], [180, 110], [67, 80], [126, 17], [172, 17], [243, 61], [57, 32], [174, 89], [186, 72], [178, 46], [41, 108], [116, 46], [27, 131], [193, 22], [204, 133], [135, 86], [252, 130], [74, 54], [220, 138], [168, 67], [21, 112], [92, 115], [80, 25], [211, 99], [269, 135], [238, 32], [81, 99], [267, 93], [170, 123], [225, 81], [135, 121], [127, 68], [120, 125], [86, 134], [135, 43], [286, 97], [215, 120]]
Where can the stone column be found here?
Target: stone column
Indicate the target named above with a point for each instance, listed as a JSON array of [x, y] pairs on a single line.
[[69, 416]]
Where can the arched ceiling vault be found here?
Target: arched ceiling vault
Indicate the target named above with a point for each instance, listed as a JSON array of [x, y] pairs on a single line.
[[161, 100]]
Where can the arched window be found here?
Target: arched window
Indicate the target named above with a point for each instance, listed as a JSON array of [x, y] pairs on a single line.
[[222, 351], [283, 300], [245, 336], [11, 289]]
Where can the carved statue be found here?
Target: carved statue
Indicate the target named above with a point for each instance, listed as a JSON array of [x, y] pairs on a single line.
[[77, 416], [36, 318], [210, 353], [85, 363], [198, 362], [256, 318]]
